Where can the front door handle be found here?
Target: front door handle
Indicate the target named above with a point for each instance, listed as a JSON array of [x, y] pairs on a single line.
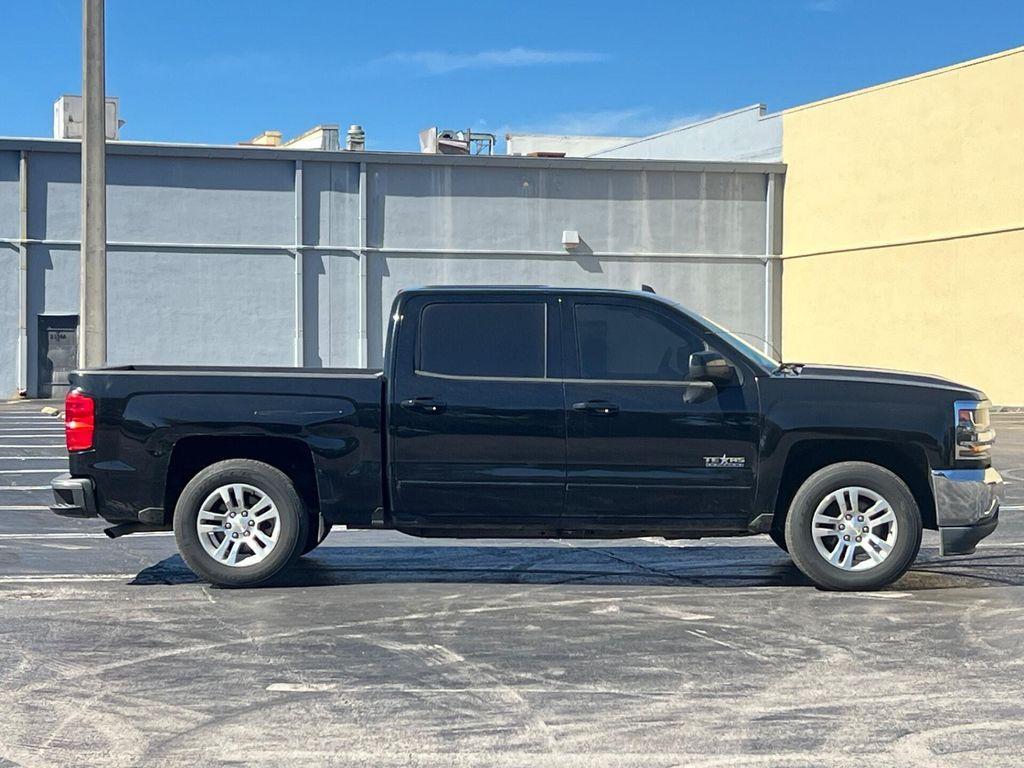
[[596, 407], [429, 405]]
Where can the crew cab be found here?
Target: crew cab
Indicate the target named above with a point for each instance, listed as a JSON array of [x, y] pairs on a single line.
[[537, 412]]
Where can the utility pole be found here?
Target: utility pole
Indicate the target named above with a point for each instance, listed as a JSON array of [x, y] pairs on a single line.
[[92, 345]]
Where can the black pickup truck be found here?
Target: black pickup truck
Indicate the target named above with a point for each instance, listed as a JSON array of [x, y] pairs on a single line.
[[519, 412]]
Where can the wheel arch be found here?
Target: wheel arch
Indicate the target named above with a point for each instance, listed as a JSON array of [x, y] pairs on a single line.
[[908, 462], [192, 454]]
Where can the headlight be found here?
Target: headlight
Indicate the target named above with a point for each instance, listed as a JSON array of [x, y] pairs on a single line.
[[974, 433]]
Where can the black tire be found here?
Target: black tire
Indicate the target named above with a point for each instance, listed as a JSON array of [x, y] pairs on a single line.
[[778, 535], [876, 479], [314, 536], [292, 519]]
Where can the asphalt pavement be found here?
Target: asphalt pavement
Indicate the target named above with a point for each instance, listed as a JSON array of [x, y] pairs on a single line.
[[384, 650]]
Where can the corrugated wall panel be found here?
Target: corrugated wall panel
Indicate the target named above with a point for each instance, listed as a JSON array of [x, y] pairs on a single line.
[[9, 194], [331, 309], [478, 208], [8, 319], [200, 308], [200, 200], [330, 202]]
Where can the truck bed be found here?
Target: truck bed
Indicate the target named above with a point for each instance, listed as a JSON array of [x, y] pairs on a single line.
[[154, 421], [239, 369]]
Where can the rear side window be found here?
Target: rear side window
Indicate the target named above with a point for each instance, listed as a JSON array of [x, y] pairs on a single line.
[[483, 339], [629, 343]]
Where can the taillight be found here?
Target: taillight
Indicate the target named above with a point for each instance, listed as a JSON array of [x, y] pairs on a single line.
[[79, 420]]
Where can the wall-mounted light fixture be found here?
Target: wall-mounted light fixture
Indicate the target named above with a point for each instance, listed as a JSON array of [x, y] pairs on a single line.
[[570, 239]]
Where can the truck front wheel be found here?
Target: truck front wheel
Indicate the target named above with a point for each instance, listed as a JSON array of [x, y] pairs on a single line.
[[853, 526], [240, 522]]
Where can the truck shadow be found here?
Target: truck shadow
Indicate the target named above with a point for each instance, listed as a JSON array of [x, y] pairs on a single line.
[[693, 566]]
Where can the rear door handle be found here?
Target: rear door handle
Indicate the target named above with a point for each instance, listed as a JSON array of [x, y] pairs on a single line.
[[427, 405], [596, 407]]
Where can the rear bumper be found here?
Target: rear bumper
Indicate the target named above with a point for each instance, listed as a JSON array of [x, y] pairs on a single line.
[[73, 497], [966, 507]]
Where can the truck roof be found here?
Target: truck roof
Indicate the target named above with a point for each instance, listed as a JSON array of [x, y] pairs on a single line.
[[522, 288]]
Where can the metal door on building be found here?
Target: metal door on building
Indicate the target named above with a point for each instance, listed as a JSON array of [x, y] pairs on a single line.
[[58, 353]]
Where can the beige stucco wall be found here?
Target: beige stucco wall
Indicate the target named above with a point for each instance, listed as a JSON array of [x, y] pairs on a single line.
[[904, 226]]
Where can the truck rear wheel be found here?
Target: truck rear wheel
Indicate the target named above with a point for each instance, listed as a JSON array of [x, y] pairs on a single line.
[[853, 526], [240, 522]]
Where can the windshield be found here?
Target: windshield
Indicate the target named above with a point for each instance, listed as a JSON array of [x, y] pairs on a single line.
[[744, 346]]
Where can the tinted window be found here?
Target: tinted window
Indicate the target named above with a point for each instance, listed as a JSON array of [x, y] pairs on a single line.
[[618, 342], [483, 339]]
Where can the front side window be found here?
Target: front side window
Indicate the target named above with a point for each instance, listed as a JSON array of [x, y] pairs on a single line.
[[483, 339], [632, 344]]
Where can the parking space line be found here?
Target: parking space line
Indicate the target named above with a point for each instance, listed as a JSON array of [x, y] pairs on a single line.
[[78, 535], [468, 689], [41, 445], [54, 470], [55, 457], [1011, 507], [24, 488], [5, 428], [69, 577], [27, 435], [21, 507]]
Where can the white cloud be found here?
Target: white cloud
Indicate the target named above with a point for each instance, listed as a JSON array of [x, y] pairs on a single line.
[[443, 62]]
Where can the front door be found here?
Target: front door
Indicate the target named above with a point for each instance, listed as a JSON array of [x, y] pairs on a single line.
[[646, 450], [58, 353], [477, 419]]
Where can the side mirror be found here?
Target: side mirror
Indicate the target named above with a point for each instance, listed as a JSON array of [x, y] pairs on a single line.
[[711, 366]]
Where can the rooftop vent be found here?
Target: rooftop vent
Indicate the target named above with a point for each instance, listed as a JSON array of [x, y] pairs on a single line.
[[446, 141], [355, 139]]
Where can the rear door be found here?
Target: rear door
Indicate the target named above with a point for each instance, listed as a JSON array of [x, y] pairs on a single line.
[[58, 353], [639, 455], [477, 420]]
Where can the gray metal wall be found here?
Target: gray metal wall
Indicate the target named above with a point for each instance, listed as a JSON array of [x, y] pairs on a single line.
[[223, 255]]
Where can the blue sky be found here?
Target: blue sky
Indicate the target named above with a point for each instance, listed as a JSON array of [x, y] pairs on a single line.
[[220, 71]]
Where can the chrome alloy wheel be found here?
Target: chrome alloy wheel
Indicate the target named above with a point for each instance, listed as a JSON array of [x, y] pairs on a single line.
[[854, 528], [238, 525]]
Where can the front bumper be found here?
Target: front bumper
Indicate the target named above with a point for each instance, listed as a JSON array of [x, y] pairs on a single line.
[[966, 507], [73, 496]]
